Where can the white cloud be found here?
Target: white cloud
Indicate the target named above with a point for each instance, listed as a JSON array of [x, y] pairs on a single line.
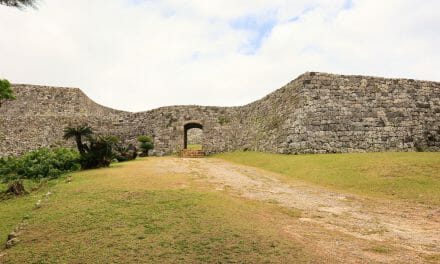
[[137, 55]]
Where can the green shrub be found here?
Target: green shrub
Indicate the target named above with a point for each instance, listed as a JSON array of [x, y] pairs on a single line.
[[146, 143], [40, 163], [144, 138], [125, 153], [223, 120], [5, 91], [7, 168], [99, 153]]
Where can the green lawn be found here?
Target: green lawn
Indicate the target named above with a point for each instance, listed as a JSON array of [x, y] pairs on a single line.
[[195, 146], [12, 211], [410, 176], [131, 214]]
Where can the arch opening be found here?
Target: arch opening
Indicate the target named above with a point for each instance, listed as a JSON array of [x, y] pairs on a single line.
[[193, 136]]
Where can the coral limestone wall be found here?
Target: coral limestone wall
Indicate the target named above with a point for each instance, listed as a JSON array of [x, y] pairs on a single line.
[[315, 113]]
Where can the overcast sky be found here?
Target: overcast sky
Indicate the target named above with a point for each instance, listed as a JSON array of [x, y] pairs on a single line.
[[141, 54]]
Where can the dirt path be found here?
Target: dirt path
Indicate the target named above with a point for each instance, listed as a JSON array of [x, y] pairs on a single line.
[[342, 226]]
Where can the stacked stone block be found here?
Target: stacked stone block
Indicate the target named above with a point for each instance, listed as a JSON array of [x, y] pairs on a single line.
[[315, 113]]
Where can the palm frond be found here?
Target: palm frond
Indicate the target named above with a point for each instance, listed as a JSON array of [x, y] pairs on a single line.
[[21, 4]]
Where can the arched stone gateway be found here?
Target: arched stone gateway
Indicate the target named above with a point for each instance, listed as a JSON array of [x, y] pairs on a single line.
[[186, 128], [315, 113]]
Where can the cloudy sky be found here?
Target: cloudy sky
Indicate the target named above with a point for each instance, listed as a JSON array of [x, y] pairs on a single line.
[[141, 54]]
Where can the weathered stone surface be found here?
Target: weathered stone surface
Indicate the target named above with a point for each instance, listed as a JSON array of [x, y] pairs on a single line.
[[195, 136], [315, 113]]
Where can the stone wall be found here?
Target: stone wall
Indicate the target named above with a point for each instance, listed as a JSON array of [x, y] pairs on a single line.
[[195, 136], [357, 114], [315, 113]]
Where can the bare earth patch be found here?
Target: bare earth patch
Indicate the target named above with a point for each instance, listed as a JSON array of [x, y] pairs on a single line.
[[342, 226]]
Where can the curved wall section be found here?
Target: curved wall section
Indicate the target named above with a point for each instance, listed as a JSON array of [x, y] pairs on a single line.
[[315, 113]]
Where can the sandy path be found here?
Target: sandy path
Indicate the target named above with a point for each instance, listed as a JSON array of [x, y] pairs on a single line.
[[336, 224]]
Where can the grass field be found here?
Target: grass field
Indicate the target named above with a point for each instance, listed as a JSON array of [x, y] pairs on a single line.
[[130, 214], [12, 211], [144, 211], [195, 146], [409, 176]]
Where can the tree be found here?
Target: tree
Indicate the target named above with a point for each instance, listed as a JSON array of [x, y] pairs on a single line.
[[146, 143], [78, 133], [5, 91], [19, 3], [99, 153]]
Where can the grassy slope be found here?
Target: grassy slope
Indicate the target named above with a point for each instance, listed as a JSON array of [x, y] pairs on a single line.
[[12, 211], [128, 214], [411, 176]]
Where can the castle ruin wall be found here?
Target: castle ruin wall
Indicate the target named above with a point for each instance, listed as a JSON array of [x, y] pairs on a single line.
[[315, 113]]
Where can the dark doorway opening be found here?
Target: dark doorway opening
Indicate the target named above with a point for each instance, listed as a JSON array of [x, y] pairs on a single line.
[[193, 136]]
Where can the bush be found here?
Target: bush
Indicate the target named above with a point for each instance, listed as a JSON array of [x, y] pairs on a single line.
[[40, 163], [144, 139], [7, 168], [5, 91], [99, 152], [125, 153], [146, 143]]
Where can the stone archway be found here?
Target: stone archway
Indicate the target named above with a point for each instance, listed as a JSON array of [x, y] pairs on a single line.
[[187, 127]]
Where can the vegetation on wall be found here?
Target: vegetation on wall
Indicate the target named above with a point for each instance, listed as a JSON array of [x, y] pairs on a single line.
[[5, 91], [222, 120]]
